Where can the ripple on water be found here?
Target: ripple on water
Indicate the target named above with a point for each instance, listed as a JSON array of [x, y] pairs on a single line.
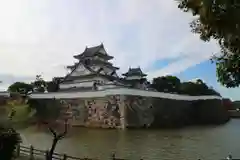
[[190, 143]]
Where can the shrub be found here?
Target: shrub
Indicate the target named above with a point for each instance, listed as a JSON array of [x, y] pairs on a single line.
[[9, 139]]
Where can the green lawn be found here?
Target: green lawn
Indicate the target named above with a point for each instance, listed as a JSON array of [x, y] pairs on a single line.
[[22, 114]]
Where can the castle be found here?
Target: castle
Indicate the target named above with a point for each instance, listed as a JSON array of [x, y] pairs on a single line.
[[93, 95], [93, 71]]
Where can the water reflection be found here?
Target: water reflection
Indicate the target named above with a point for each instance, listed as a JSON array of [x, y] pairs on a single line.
[[191, 143]]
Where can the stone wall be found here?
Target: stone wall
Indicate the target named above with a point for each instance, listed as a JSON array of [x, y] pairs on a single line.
[[127, 108], [161, 113], [102, 112], [138, 112]]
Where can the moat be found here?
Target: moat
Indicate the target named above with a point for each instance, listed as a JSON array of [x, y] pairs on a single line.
[[211, 142]]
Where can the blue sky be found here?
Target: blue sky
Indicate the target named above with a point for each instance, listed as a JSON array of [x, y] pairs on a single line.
[[207, 71], [41, 36]]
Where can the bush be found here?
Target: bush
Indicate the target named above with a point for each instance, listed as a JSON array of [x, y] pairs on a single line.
[[9, 139]]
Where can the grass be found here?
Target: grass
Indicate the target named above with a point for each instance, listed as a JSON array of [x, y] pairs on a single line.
[[22, 115]]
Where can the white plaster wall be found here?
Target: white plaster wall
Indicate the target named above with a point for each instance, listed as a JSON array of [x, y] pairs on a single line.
[[120, 91], [107, 70], [95, 68], [83, 84], [91, 79], [81, 70], [107, 87], [133, 77]]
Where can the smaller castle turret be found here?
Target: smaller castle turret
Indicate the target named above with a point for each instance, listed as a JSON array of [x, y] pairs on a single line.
[[135, 77]]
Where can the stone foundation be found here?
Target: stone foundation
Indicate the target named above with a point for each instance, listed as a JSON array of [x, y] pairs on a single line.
[[137, 111], [102, 112]]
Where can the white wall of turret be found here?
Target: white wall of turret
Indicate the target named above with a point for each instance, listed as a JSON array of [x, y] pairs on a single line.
[[107, 70], [97, 79], [84, 82], [80, 70], [77, 85], [133, 77]]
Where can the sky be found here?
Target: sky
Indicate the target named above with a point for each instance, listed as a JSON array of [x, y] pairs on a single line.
[[41, 37]]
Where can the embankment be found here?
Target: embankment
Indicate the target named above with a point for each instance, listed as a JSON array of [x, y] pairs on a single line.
[[132, 108]]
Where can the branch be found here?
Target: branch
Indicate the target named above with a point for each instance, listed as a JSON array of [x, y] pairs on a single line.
[[53, 132], [61, 135]]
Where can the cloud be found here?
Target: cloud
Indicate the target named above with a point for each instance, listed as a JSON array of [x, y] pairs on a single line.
[[8, 79], [195, 53], [232, 93], [40, 37]]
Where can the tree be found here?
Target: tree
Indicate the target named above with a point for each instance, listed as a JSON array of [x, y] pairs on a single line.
[[20, 87], [194, 89], [168, 84], [56, 137], [46, 110], [172, 84], [59, 135], [53, 86], [39, 84], [219, 20]]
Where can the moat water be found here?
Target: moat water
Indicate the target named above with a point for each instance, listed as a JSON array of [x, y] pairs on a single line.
[[209, 143]]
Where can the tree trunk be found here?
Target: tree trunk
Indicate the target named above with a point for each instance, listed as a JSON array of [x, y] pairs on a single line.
[[55, 140]]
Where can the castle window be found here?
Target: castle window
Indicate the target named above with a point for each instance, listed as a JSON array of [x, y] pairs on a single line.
[[87, 61]]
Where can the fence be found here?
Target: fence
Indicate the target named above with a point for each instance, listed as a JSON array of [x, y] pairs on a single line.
[[36, 154], [33, 153]]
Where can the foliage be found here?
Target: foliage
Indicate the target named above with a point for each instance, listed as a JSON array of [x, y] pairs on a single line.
[[52, 86], [18, 113], [45, 109], [9, 139], [219, 19], [172, 84], [20, 87], [39, 84], [168, 84]]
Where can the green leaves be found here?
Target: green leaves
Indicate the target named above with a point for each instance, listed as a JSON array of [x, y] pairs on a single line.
[[20, 87], [168, 84], [228, 70], [219, 20], [38, 85], [9, 139], [172, 84]]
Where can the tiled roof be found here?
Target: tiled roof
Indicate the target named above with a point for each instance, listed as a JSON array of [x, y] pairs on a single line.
[[134, 72], [89, 52]]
